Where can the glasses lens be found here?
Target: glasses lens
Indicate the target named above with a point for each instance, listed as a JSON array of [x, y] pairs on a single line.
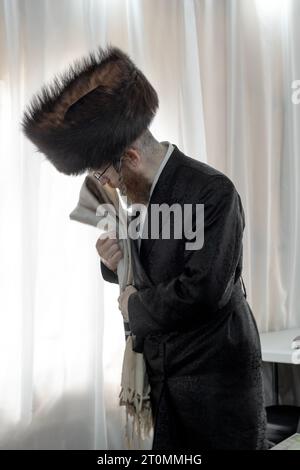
[[99, 175]]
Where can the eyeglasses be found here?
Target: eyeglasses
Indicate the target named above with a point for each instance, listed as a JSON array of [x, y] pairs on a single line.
[[116, 165], [98, 175]]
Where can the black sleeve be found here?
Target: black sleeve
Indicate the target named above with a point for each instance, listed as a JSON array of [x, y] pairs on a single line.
[[207, 274], [107, 274]]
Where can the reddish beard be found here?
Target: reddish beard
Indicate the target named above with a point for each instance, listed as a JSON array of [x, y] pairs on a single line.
[[137, 187]]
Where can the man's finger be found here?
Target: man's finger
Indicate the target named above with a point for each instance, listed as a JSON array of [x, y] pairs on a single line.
[[104, 247], [106, 236], [105, 242], [112, 251], [116, 258], [112, 263]]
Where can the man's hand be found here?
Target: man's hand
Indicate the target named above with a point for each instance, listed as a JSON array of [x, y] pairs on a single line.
[[109, 250], [123, 301]]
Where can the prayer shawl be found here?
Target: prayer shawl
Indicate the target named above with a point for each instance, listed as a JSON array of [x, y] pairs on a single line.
[[95, 208]]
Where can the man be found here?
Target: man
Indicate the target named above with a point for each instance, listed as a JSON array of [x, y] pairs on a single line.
[[191, 319], [200, 339]]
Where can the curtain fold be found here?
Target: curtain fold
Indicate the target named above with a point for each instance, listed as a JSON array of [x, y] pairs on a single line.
[[223, 70]]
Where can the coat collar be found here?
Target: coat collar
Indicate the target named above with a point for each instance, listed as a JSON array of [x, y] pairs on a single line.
[[163, 193]]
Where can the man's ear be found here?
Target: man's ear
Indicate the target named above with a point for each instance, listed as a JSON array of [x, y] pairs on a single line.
[[132, 158]]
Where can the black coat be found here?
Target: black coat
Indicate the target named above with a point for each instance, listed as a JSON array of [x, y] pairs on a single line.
[[192, 321]]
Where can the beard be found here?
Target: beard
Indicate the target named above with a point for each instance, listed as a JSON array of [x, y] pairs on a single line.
[[135, 187]]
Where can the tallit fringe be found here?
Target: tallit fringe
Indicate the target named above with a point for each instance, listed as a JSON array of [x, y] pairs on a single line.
[[140, 411], [135, 396]]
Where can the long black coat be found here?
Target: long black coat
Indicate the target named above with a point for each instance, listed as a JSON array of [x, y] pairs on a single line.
[[192, 321]]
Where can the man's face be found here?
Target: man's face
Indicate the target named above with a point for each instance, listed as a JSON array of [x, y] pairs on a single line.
[[129, 179], [136, 186]]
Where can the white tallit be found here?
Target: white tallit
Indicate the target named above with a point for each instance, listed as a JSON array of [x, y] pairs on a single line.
[[135, 388]]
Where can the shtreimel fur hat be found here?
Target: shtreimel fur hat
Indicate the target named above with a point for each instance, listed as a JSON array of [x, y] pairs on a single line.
[[90, 114]]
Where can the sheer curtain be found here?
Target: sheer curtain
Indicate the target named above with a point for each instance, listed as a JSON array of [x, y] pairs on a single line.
[[223, 71]]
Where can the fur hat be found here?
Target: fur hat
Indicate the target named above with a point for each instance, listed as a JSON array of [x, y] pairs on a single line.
[[90, 114]]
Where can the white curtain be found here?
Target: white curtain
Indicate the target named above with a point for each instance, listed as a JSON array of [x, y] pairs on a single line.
[[223, 70]]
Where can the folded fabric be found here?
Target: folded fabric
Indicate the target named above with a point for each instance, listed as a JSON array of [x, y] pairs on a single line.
[[100, 206]]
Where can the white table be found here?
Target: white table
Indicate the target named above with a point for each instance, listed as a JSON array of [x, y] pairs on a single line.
[[276, 347]]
